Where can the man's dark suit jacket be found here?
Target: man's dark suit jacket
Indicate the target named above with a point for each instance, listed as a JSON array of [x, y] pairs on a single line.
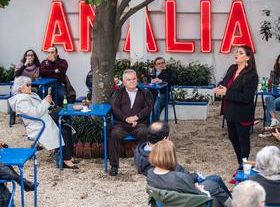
[[240, 96], [142, 106]]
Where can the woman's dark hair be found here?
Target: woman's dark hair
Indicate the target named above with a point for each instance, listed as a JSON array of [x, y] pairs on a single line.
[[36, 59], [251, 62], [276, 67]]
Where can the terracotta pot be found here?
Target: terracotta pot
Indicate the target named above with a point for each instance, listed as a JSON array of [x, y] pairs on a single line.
[[95, 150], [79, 147], [87, 150]]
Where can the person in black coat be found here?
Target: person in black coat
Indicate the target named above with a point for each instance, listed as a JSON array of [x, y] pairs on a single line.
[[158, 75], [238, 90]]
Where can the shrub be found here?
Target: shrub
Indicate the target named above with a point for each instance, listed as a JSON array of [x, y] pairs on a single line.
[[7, 75]]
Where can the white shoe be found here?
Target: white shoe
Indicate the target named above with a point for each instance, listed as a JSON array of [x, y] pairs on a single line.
[[274, 122], [265, 134]]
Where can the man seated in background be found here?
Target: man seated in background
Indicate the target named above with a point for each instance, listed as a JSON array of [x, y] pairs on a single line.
[[248, 194], [131, 108]]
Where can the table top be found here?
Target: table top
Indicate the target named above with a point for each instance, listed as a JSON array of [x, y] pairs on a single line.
[[241, 177], [44, 81], [95, 110], [274, 92], [153, 85]]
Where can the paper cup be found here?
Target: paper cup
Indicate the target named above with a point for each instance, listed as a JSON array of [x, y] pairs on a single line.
[[247, 169]]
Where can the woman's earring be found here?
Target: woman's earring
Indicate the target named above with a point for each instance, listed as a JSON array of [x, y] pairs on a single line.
[[246, 64]]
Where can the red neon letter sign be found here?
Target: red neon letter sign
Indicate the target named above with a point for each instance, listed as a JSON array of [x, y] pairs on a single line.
[[151, 43], [172, 45], [237, 29], [205, 26], [86, 19], [57, 32]]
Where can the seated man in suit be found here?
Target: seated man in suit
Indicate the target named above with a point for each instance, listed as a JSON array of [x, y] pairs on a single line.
[[160, 74], [131, 108]]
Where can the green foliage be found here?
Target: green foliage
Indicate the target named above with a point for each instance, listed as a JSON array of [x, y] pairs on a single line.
[[7, 75], [181, 94], [94, 2], [270, 26], [194, 74], [88, 129], [4, 3]]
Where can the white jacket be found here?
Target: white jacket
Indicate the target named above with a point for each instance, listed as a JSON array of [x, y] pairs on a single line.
[[33, 105]]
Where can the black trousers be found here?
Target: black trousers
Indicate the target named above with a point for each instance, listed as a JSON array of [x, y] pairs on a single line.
[[67, 149], [118, 132], [240, 139]]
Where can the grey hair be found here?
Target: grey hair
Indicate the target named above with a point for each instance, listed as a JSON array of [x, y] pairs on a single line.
[[127, 71], [19, 82], [268, 161], [248, 193]]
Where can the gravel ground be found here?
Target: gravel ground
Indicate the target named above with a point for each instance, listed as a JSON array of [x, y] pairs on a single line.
[[202, 146]]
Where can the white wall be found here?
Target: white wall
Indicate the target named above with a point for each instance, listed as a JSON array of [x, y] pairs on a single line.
[[23, 25]]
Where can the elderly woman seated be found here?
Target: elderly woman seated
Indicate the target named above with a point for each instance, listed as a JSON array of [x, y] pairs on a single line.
[[268, 163], [26, 102], [249, 194]]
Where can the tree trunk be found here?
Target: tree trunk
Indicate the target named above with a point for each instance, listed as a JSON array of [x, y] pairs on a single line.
[[103, 51]]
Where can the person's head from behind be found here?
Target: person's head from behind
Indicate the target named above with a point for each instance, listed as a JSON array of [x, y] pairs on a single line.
[[158, 131], [22, 84], [130, 79], [268, 161], [245, 57], [30, 57], [277, 66], [159, 63], [52, 53], [248, 194], [163, 155]]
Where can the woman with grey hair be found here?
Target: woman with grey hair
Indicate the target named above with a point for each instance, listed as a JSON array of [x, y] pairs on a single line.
[[268, 163], [26, 102], [249, 194]]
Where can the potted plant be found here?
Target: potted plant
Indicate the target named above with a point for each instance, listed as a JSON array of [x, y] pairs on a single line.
[[88, 137]]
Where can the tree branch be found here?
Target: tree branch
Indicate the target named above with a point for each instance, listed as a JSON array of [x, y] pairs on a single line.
[[133, 11], [121, 8]]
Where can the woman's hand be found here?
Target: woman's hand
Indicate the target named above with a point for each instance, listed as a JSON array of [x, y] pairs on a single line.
[[48, 98], [276, 134], [220, 90]]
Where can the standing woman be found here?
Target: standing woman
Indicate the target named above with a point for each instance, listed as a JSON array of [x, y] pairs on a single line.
[[29, 65], [238, 90]]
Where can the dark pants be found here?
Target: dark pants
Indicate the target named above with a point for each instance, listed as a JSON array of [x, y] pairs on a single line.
[[118, 133], [158, 105], [60, 93], [67, 149], [240, 138], [219, 180]]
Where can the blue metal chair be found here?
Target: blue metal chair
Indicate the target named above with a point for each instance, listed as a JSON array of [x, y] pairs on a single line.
[[272, 206], [19, 156], [11, 201], [6, 97]]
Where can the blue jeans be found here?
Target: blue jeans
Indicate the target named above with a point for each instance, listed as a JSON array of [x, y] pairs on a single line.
[[219, 180], [272, 105], [158, 107]]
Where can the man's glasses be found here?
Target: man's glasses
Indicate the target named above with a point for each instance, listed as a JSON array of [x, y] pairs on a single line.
[[51, 52], [160, 63]]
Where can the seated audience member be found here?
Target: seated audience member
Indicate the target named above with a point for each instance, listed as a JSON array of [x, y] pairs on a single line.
[[131, 108], [117, 83], [273, 103], [160, 74], [248, 194], [29, 65], [268, 163], [26, 102], [55, 67], [163, 175], [157, 132]]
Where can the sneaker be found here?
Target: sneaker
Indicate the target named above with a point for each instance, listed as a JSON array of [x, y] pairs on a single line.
[[265, 134], [113, 171], [274, 122]]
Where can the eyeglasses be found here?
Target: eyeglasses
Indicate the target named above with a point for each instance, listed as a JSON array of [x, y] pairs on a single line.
[[28, 84], [51, 52], [30, 55], [160, 63]]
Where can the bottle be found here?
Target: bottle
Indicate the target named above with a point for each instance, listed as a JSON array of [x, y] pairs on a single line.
[[65, 102], [263, 84], [269, 85]]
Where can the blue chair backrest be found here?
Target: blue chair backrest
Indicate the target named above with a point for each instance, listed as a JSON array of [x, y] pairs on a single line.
[[35, 144], [272, 206], [11, 203]]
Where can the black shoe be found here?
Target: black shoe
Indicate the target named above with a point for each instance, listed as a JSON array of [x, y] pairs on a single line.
[[28, 186], [113, 171], [74, 167]]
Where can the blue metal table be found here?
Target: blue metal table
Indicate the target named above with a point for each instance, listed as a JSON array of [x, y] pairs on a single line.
[[274, 92], [100, 110], [43, 83], [158, 86]]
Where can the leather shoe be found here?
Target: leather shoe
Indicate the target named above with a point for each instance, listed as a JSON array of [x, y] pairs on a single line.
[[28, 185], [113, 171], [74, 167]]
